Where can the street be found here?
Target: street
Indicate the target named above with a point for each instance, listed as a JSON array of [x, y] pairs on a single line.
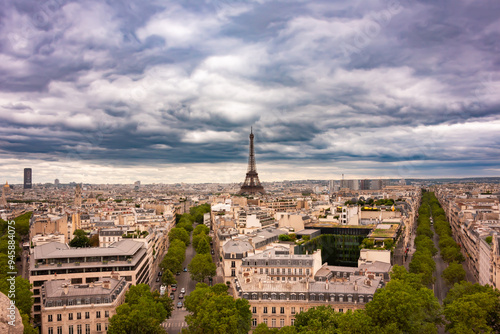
[[176, 321]]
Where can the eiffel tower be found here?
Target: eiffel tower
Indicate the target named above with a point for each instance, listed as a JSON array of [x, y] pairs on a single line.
[[252, 184]]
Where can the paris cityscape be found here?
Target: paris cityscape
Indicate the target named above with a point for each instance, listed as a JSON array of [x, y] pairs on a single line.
[[249, 166]]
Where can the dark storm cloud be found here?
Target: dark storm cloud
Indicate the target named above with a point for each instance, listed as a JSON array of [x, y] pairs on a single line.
[[141, 82]]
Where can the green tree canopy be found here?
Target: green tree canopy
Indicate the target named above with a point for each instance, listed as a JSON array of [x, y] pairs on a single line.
[[179, 234], [454, 273], [80, 239], [212, 310], [142, 312], [201, 229], [203, 247], [168, 277], [201, 267]]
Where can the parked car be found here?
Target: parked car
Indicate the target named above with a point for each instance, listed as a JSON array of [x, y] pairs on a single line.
[[160, 273], [174, 287], [157, 279], [183, 290], [185, 269], [178, 273], [179, 305], [172, 296], [181, 295]]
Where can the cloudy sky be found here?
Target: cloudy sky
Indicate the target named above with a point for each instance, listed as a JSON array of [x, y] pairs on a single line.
[[166, 91]]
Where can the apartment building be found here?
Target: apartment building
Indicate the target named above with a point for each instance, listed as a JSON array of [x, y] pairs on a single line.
[[278, 285], [80, 308], [86, 265]]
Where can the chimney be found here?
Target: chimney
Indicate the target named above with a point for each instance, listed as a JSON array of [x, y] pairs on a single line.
[[106, 285], [327, 285], [260, 284], [355, 285], [66, 289]]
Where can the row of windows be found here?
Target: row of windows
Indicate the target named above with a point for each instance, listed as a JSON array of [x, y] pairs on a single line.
[[79, 328], [312, 297], [283, 271], [78, 316], [281, 321]]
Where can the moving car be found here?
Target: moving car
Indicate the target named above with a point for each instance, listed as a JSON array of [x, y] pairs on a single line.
[[183, 290], [185, 269], [181, 295], [157, 279], [174, 287], [179, 305]]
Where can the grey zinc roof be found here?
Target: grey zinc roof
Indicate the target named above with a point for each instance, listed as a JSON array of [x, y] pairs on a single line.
[[55, 288], [55, 250], [237, 247]]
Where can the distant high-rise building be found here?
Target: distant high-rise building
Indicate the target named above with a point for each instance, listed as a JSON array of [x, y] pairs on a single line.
[[78, 196], [27, 178], [252, 184], [137, 185], [56, 182], [364, 185]]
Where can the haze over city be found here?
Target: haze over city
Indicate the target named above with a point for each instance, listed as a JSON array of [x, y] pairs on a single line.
[[167, 92]]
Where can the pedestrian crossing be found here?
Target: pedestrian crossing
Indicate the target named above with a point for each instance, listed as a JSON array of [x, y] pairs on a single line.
[[174, 324]]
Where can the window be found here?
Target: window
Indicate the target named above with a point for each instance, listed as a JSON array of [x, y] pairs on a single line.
[[261, 271], [293, 309], [289, 271], [265, 309], [341, 310], [282, 322], [322, 297], [70, 316], [106, 314], [233, 264], [293, 322], [307, 272], [349, 299], [265, 321], [272, 271], [254, 322], [282, 310], [254, 309], [78, 316], [274, 309], [273, 322], [78, 329], [87, 315], [98, 327], [87, 329], [51, 330], [301, 309], [59, 329], [98, 314], [106, 327], [59, 317], [300, 271], [233, 272], [49, 318], [70, 329], [293, 296]]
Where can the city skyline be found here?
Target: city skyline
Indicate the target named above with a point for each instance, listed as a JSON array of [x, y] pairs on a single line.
[[115, 92]]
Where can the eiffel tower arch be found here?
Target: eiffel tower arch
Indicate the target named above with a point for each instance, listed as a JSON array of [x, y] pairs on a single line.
[[252, 184]]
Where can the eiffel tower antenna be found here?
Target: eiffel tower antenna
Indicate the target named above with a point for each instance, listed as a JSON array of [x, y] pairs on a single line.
[[252, 184]]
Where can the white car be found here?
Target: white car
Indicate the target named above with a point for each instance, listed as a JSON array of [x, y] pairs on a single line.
[[183, 290]]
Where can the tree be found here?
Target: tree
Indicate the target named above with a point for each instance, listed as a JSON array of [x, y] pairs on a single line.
[[203, 247], [317, 319], [179, 234], [80, 240], [197, 238], [168, 277], [232, 315], [404, 306], [472, 308], [201, 229], [142, 312], [454, 273], [94, 241], [262, 328], [201, 267]]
